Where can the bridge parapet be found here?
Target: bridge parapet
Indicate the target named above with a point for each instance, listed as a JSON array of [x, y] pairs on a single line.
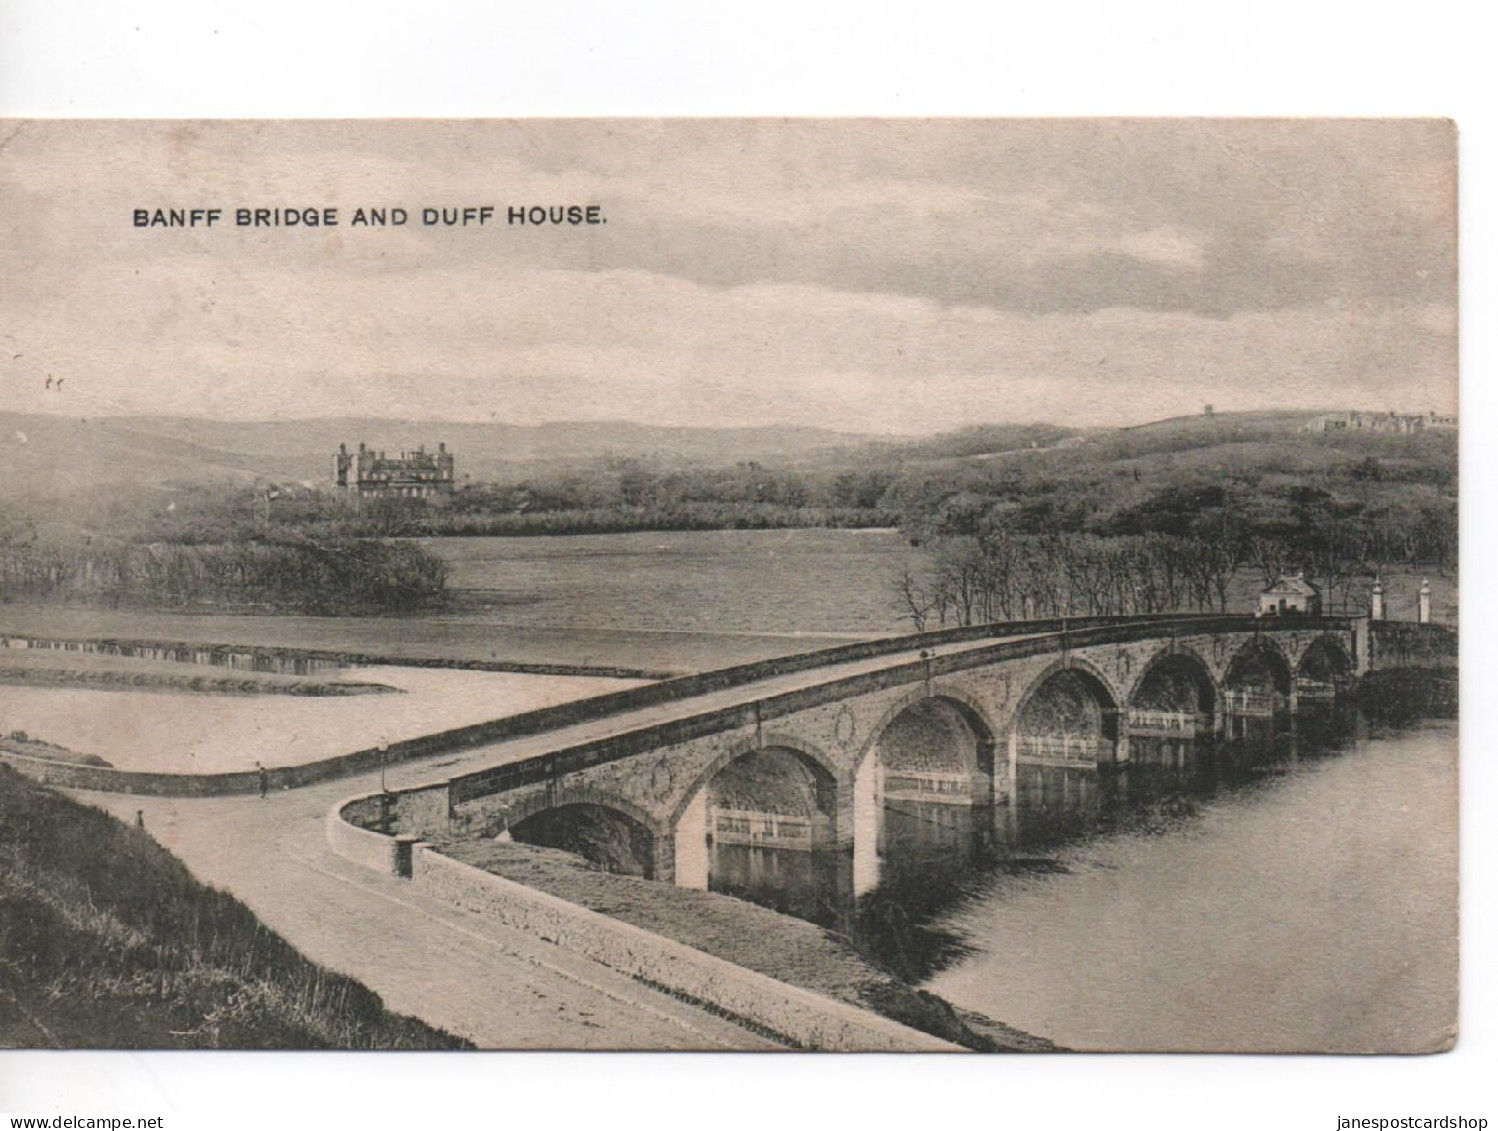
[[839, 718]]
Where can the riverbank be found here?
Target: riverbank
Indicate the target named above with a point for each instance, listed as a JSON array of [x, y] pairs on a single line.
[[29, 746], [57, 668], [801, 954]]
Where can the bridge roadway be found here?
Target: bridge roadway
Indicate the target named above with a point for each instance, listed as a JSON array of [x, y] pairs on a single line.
[[507, 751], [496, 986]]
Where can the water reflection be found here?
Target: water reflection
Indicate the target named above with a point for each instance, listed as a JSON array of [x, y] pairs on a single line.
[[921, 848]]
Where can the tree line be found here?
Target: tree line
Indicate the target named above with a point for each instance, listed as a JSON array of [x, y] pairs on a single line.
[[301, 574], [999, 576], [1180, 549]]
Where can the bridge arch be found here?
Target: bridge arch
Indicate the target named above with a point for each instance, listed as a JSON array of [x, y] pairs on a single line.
[[1325, 658], [923, 768], [773, 791], [527, 805], [1069, 710], [822, 764], [610, 832], [943, 703], [1260, 664], [1177, 678], [1324, 673]]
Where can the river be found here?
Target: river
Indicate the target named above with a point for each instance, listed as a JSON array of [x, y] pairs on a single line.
[[1284, 892]]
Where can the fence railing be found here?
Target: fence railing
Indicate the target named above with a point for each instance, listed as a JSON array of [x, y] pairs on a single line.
[[1059, 747], [744, 826], [1251, 702], [1315, 688], [1177, 722], [932, 784]]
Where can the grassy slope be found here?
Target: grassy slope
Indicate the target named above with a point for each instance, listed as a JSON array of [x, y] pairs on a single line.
[[107, 941]]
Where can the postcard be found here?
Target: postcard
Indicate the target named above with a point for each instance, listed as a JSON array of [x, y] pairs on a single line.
[[851, 585]]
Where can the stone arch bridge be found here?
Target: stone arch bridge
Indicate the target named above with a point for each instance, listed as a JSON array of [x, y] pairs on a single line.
[[955, 721]]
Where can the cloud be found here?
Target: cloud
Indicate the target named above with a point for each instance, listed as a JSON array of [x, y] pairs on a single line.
[[894, 276], [1165, 246], [534, 344]]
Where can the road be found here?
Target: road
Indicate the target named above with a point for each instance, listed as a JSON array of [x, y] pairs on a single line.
[[499, 987], [441, 767]]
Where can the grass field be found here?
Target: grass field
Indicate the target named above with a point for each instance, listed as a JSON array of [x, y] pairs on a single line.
[[806, 581]]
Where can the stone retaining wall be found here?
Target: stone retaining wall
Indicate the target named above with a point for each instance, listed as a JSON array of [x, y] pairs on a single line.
[[807, 1019], [803, 1017], [106, 779], [1407, 644], [371, 849], [300, 661]]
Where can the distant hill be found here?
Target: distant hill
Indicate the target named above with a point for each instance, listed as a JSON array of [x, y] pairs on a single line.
[[51, 457], [1277, 420], [987, 440], [50, 463], [48, 458], [1265, 435]]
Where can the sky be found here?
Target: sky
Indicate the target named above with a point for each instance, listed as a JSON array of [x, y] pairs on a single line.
[[894, 276]]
